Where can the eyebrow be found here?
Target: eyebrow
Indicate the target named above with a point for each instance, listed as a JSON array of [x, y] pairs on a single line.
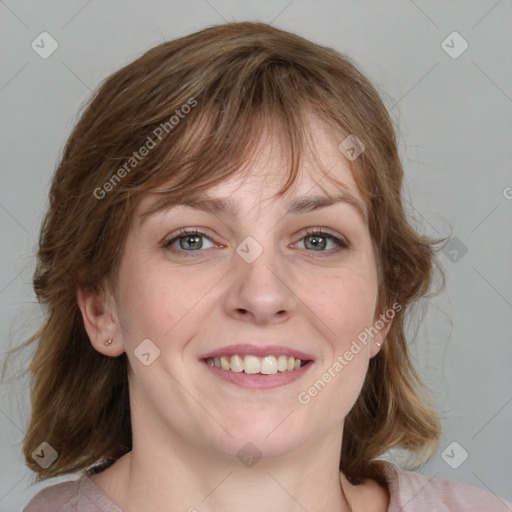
[[302, 204]]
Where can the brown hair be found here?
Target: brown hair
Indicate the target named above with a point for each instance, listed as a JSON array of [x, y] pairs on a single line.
[[237, 79]]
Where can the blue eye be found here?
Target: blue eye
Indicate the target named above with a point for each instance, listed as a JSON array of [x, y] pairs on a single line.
[[318, 240], [192, 240], [189, 241]]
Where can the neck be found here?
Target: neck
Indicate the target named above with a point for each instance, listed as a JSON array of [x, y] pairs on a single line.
[[153, 478]]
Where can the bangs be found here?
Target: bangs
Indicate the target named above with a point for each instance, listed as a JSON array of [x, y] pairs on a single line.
[[267, 102]]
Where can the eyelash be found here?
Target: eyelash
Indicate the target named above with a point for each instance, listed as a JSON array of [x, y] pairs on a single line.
[[342, 244]]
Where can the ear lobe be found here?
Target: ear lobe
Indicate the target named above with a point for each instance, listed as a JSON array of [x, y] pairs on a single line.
[[379, 339], [383, 323], [99, 321]]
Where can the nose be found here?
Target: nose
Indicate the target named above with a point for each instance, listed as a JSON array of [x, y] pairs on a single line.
[[260, 292]]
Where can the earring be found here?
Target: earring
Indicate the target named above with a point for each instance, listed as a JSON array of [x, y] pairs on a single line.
[[378, 343], [108, 342]]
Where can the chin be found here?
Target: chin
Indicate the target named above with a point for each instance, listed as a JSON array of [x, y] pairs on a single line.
[[257, 433]]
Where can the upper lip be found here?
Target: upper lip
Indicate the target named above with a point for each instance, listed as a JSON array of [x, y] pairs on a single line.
[[258, 351]]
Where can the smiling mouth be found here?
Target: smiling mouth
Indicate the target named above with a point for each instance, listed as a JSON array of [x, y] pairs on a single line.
[[268, 365]]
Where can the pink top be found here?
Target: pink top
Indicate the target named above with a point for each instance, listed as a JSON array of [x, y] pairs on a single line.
[[409, 492]]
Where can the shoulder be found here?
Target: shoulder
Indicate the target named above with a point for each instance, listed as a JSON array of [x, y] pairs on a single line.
[[413, 491], [80, 495], [55, 498]]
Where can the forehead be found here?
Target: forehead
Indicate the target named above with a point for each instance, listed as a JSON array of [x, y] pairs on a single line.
[[324, 172]]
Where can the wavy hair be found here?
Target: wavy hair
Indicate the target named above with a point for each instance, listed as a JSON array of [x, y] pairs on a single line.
[[245, 78]]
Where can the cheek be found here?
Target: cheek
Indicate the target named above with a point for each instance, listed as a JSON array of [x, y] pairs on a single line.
[[158, 300], [345, 306], [144, 298], [141, 311], [344, 302]]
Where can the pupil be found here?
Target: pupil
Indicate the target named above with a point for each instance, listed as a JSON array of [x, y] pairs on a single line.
[[195, 240], [314, 240]]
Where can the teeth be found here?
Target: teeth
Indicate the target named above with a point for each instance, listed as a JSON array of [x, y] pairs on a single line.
[[236, 364], [268, 365], [282, 363], [252, 364], [224, 363]]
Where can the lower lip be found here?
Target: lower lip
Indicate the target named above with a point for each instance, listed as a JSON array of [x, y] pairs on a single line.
[[258, 381]]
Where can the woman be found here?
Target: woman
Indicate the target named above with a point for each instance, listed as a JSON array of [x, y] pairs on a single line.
[[227, 268]]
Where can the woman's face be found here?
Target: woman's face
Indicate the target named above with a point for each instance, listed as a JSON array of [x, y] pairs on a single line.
[[251, 283]]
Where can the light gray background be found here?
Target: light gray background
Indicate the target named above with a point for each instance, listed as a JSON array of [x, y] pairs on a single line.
[[454, 117]]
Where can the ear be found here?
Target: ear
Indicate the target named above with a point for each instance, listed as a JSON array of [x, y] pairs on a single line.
[[382, 323], [100, 319]]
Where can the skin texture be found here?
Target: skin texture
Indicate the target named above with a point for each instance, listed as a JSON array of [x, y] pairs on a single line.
[[189, 425]]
